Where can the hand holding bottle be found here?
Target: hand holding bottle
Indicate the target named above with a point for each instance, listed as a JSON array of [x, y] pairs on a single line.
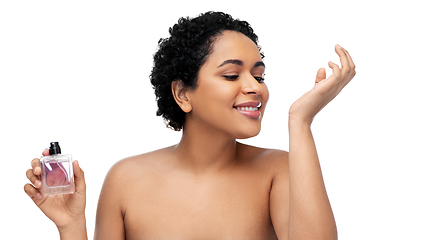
[[65, 210]]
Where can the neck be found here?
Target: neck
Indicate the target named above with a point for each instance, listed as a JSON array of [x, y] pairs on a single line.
[[202, 150]]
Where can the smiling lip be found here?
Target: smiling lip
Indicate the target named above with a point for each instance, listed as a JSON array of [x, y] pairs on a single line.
[[249, 109], [248, 104]]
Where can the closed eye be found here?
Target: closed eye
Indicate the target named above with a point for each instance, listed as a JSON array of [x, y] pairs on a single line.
[[231, 77]]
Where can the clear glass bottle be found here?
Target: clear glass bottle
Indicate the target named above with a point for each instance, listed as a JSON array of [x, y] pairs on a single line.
[[57, 172]]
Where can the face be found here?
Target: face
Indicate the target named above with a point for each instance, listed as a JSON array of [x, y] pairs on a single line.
[[231, 96]]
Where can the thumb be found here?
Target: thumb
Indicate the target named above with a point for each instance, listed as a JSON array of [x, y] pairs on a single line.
[[321, 75], [79, 178]]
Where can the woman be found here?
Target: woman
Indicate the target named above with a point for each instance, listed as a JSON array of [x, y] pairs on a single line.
[[208, 77]]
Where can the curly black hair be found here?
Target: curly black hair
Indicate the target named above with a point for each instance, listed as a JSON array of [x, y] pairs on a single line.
[[180, 57]]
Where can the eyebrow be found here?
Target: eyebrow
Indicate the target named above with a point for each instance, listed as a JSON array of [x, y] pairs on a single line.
[[240, 63]]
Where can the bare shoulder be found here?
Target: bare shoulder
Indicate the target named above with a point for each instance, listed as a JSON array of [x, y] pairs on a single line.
[[275, 159], [139, 166], [131, 176]]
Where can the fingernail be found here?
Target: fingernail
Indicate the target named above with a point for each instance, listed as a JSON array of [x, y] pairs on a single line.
[[339, 46], [47, 149], [37, 183], [36, 170], [39, 195]]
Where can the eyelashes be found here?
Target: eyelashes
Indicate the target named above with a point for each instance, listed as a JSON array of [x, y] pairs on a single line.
[[235, 77], [231, 77], [259, 79]]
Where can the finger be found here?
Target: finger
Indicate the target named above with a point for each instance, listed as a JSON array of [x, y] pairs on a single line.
[[32, 192], [79, 178], [321, 75], [351, 62], [336, 71], [344, 59], [332, 80], [352, 72], [46, 152], [36, 166], [35, 180]]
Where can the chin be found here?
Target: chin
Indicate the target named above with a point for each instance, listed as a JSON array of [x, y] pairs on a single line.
[[249, 133]]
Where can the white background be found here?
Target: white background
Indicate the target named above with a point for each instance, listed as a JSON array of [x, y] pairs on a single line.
[[77, 72]]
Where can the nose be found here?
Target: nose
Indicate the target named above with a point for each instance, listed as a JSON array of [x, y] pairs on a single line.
[[251, 86]]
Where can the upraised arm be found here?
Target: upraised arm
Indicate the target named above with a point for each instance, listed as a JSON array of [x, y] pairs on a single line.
[[310, 214]]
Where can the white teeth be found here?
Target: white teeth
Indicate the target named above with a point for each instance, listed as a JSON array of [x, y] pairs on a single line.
[[247, 108]]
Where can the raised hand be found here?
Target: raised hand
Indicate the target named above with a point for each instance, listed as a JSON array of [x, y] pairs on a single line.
[[325, 89]]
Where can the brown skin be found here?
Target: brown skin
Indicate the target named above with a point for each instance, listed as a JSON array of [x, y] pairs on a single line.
[[209, 186], [154, 196], [66, 211]]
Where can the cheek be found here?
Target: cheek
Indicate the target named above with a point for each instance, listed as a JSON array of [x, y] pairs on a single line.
[[264, 96], [217, 91]]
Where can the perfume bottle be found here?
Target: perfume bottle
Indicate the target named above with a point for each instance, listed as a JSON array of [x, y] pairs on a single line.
[[57, 172]]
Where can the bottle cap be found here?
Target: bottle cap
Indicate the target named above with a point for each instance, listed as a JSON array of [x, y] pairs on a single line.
[[54, 148]]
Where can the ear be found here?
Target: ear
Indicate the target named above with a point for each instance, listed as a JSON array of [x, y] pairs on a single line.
[[179, 92]]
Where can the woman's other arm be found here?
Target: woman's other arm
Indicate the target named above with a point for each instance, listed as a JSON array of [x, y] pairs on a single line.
[[66, 211], [310, 214]]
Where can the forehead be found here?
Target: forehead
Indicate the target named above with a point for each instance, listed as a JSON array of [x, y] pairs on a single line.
[[234, 45]]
